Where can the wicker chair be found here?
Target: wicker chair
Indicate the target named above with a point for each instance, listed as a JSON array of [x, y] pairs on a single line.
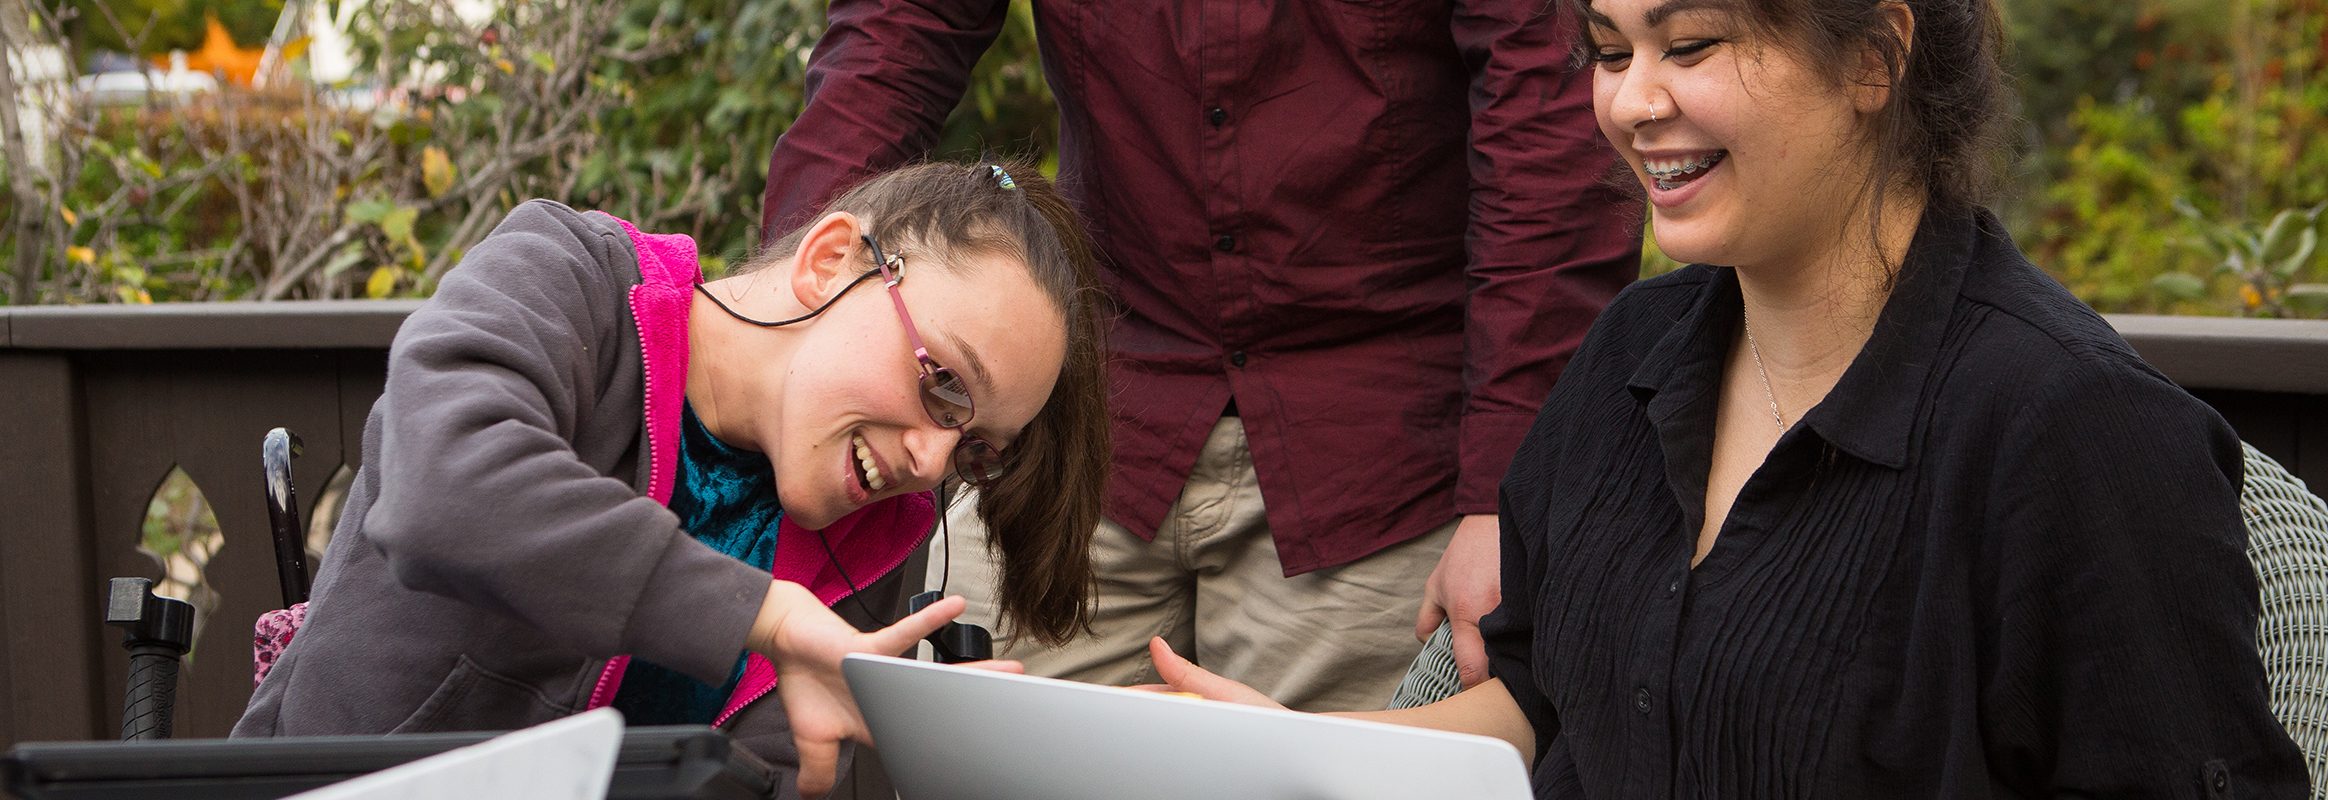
[[2287, 539]]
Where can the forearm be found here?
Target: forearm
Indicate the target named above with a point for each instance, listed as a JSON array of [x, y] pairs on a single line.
[[1551, 241], [880, 83], [1483, 710]]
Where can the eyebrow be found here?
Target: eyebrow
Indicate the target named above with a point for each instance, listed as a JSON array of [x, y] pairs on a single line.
[[970, 354], [985, 381], [1653, 17]]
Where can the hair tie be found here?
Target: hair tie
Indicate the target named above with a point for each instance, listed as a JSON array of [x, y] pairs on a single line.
[[1002, 178]]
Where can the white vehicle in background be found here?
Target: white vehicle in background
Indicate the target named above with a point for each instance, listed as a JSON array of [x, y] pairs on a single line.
[[134, 86], [326, 56]]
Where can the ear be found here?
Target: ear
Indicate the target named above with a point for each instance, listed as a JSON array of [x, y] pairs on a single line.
[[1874, 87], [830, 256]]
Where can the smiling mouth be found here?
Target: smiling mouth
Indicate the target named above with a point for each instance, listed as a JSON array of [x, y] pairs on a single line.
[[868, 474], [1674, 173]]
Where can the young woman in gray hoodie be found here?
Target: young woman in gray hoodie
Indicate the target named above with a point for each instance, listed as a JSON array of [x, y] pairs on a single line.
[[595, 479]]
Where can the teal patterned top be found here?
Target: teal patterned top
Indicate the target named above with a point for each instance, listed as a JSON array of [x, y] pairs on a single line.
[[726, 498]]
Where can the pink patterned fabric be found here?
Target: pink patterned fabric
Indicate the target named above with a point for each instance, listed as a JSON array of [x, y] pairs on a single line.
[[272, 634]]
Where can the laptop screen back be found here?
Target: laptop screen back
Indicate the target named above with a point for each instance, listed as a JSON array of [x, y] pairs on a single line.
[[966, 734]]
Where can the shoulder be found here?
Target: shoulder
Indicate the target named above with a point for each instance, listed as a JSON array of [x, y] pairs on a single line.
[[589, 241], [547, 256], [1643, 313], [1664, 297], [1590, 400], [2018, 336], [1624, 334], [2054, 383], [545, 267]]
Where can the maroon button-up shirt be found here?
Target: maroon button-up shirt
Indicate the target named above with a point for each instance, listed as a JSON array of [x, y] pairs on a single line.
[[1380, 227]]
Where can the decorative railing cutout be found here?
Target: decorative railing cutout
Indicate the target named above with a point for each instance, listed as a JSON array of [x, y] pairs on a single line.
[[181, 535], [324, 518]]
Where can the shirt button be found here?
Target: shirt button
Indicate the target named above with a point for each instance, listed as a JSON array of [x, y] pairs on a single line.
[[1237, 359], [1673, 588], [1641, 699], [1225, 244], [1217, 116]]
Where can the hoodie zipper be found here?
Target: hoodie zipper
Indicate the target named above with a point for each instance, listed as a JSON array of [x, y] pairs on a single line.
[[647, 393], [738, 708]]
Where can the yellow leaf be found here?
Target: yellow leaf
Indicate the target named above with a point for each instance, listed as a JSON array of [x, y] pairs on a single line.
[[70, 217], [81, 255], [295, 48], [382, 282], [436, 171], [504, 65], [144, 297], [2248, 295]]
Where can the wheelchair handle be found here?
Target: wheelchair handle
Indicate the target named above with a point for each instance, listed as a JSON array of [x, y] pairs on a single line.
[[157, 631], [275, 454]]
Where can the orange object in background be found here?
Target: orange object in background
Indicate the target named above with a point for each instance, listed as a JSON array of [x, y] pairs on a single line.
[[220, 56]]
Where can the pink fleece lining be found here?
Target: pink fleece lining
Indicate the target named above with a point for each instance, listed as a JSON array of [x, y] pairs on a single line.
[[870, 542], [659, 304]]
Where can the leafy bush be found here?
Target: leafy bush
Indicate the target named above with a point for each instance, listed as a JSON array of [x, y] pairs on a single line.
[[662, 111], [2153, 126], [2187, 119]]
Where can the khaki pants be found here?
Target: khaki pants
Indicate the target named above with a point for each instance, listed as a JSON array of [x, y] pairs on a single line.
[[1336, 639]]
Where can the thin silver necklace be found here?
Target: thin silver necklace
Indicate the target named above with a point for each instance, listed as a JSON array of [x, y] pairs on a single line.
[[1756, 351]]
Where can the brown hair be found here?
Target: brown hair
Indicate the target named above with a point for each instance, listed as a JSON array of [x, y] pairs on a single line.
[[1041, 513], [1942, 125]]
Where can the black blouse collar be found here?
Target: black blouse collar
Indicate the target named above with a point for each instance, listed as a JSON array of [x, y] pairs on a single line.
[[1872, 410]]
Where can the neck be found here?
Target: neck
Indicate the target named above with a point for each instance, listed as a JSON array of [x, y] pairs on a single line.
[[720, 353], [1810, 317]]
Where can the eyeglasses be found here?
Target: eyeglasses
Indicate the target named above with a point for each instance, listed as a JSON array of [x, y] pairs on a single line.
[[944, 395]]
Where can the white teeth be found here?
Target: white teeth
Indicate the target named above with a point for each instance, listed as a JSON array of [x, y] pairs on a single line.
[[1667, 169], [865, 462], [1672, 167]]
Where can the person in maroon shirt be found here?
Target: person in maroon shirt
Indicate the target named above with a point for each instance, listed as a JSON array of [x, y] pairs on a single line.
[[1353, 245]]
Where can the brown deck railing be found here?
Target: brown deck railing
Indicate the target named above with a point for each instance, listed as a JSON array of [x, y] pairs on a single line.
[[98, 403]]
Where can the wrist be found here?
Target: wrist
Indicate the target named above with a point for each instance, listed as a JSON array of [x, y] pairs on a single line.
[[776, 606]]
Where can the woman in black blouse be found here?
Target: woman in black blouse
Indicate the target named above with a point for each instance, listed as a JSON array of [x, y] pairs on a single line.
[[1879, 509]]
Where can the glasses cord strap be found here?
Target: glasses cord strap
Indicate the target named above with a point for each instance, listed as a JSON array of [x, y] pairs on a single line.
[[707, 295]]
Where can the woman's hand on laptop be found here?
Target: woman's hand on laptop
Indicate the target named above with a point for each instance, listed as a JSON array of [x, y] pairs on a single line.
[[805, 641], [1184, 676]]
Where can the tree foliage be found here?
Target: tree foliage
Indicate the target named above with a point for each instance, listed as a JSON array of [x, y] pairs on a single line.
[[2158, 125], [2153, 132]]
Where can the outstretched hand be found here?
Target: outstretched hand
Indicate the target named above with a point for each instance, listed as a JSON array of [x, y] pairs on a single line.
[[1466, 585], [805, 641], [1181, 675]]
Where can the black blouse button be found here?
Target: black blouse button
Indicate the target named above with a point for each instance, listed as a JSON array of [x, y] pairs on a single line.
[[1225, 244], [1641, 699], [1217, 116], [2218, 779], [1237, 359]]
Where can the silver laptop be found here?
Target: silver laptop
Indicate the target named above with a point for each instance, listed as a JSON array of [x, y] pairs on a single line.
[[953, 733]]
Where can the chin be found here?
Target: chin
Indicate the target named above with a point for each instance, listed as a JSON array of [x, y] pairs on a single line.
[[1698, 238], [814, 520], [1688, 250], [811, 514]]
